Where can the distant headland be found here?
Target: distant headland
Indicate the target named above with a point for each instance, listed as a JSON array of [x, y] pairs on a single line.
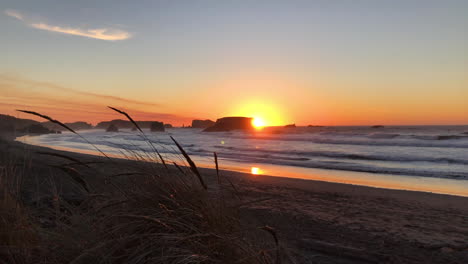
[[27, 126]]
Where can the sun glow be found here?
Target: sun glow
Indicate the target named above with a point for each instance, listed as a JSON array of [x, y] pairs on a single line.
[[258, 122], [256, 171], [264, 114]]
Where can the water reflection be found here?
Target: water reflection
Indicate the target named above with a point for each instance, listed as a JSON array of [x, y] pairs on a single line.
[[256, 171]]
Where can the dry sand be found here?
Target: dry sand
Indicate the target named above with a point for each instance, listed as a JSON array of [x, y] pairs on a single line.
[[364, 223]]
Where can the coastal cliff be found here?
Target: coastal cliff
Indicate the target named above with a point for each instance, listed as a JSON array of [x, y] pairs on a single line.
[[125, 124], [231, 123], [202, 123]]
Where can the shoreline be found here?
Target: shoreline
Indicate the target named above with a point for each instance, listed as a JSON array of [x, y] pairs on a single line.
[[329, 222], [432, 185], [299, 183]]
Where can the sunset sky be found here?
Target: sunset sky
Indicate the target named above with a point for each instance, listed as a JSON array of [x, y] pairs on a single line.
[[324, 62]]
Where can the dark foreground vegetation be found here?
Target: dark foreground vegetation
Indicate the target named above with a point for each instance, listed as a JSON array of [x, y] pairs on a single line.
[[57, 208]]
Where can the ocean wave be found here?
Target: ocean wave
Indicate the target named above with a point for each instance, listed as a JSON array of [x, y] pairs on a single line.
[[439, 137], [351, 156], [451, 137], [383, 135], [390, 152], [135, 143], [346, 166], [397, 141]]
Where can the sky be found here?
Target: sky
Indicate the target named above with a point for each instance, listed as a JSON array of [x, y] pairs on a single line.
[[330, 62]]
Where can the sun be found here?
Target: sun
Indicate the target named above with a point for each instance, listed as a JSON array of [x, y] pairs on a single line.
[[263, 112], [258, 122]]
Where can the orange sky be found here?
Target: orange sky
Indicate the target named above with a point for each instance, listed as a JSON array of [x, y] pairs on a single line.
[[275, 102]]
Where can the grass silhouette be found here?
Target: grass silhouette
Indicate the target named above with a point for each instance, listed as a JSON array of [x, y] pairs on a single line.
[[132, 212]]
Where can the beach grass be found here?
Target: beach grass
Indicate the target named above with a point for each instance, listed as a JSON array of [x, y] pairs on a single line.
[[140, 211]]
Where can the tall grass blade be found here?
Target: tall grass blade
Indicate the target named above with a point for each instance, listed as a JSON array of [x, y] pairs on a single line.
[[272, 232], [75, 176], [219, 179], [193, 167], [141, 131], [217, 168], [161, 158], [50, 119], [178, 167], [64, 126], [128, 117]]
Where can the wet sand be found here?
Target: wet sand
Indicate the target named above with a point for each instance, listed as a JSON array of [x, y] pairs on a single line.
[[323, 222]]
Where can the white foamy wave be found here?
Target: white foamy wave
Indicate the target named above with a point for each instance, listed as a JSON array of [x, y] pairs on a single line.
[[419, 151]]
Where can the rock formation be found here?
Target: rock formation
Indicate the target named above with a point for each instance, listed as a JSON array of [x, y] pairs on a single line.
[[37, 129], [119, 123], [124, 124], [80, 125], [157, 127], [11, 123], [202, 123], [112, 128], [231, 123]]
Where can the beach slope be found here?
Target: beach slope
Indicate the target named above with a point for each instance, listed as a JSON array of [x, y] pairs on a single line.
[[322, 222]]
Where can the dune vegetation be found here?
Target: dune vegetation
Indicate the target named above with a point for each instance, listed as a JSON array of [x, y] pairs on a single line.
[[58, 208]]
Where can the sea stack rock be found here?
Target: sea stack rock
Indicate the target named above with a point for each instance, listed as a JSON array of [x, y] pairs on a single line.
[[202, 123], [112, 128], [231, 123], [37, 129], [157, 126], [80, 125]]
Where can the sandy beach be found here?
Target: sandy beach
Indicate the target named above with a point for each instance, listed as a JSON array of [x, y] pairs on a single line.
[[323, 222], [377, 225]]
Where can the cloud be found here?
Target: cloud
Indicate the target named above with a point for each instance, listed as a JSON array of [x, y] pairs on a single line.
[[69, 105], [14, 14], [15, 81], [109, 34], [99, 33]]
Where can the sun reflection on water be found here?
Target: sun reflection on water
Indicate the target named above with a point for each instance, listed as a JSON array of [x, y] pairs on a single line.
[[256, 171]]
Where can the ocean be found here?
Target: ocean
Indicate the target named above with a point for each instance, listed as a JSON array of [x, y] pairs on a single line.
[[414, 152]]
